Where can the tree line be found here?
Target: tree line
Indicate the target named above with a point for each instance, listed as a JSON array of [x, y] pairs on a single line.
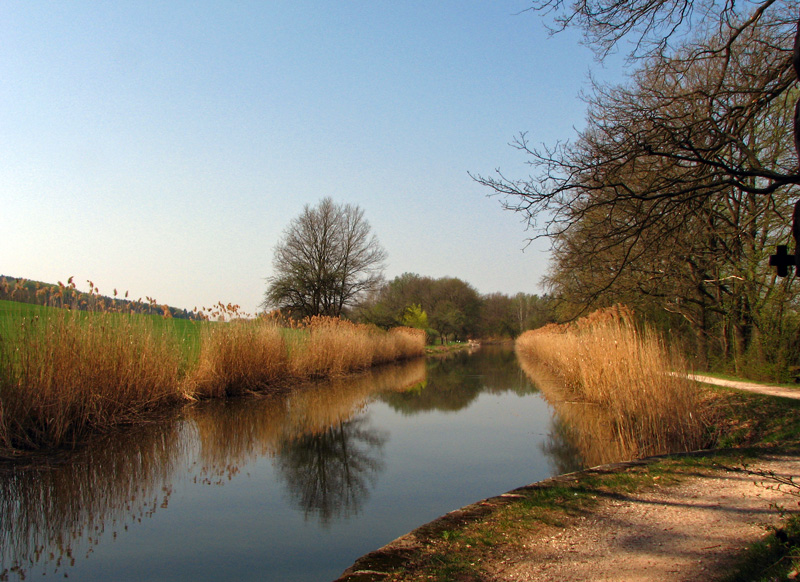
[[328, 263], [682, 183], [450, 309]]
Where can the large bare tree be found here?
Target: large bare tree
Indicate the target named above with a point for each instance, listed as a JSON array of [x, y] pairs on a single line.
[[682, 182], [690, 114], [327, 259]]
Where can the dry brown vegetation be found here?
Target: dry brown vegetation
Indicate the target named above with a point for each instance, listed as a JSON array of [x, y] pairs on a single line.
[[64, 373], [645, 404], [249, 355]]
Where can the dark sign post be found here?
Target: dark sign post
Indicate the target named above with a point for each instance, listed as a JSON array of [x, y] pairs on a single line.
[[782, 260]]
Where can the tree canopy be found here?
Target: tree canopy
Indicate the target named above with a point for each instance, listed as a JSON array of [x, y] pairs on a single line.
[[681, 184], [326, 260], [450, 308]]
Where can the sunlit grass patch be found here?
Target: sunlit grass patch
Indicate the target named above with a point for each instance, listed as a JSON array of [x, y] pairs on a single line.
[[777, 557]]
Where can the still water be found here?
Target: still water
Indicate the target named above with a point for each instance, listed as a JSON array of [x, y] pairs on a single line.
[[283, 488]]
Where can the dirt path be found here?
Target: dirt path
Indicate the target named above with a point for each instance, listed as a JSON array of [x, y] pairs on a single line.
[[693, 530], [749, 386]]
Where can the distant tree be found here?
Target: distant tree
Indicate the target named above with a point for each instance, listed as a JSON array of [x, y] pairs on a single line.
[[497, 316], [455, 309], [387, 306], [416, 317], [532, 311], [325, 262]]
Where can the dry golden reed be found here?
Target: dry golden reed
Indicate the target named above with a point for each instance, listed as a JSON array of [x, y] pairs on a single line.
[[238, 357], [629, 372], [65, 373]]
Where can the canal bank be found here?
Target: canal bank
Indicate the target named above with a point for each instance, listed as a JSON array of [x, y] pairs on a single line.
[[678, 517]]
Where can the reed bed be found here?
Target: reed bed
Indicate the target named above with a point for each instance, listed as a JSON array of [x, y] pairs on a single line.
[[66, 373], [251, 355], [238, 357], [626, 370]]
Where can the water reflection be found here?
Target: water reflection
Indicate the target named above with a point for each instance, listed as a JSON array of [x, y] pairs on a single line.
[[54, 511], [581, 434], [232, 433], [454, 383], [325, 448], [329, 474]]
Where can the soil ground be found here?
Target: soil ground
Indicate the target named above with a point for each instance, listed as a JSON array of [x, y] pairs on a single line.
[[692, 529]]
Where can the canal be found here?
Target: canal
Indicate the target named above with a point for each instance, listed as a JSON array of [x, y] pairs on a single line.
[[291, 487]]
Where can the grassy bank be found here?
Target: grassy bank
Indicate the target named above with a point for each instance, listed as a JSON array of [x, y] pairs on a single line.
[[66, 373], [645, 404]]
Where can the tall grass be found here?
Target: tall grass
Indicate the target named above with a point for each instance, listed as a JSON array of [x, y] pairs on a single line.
[[236, 357], [627, 370], [244, 356], [65, 374]]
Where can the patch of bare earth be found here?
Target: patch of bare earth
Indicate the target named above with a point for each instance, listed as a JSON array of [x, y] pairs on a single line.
[[694, 530]]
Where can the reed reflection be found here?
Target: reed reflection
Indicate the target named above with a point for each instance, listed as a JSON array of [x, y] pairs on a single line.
[[55, 511], [582, 434], [329, 474], [233, 433]]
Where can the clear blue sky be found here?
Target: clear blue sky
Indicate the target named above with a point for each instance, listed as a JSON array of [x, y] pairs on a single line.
[[163, 147]]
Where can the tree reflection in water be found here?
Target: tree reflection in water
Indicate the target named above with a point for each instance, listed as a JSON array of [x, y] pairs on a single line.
[[329, 474], [455, 382]]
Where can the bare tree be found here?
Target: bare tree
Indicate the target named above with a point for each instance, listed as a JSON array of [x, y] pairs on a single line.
[[678, 189], [676, 134], [654, 27], [327, 259]]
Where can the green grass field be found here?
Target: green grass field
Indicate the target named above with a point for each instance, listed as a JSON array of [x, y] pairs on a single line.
[[185, 331]]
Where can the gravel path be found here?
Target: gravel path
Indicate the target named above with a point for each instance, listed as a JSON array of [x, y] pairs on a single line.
[[749, 386], [692, 531]]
